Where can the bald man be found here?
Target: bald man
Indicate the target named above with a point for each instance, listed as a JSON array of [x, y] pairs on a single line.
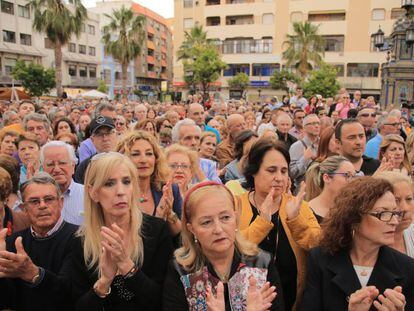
[[225, 150], [196, 113]]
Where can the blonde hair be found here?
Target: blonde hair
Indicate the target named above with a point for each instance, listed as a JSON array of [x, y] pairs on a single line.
[[395, 177], [97, 174], [386, 142], [192, 155], [314, 175], [161, 172], [190, 254], [207, 134]]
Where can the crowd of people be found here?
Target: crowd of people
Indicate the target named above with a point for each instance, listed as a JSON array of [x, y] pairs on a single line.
[[205, 204]]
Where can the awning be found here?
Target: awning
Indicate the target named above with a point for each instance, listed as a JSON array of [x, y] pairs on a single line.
[[79, 58]]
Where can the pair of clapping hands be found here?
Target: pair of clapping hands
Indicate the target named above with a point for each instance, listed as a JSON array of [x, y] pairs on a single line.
[[390, 300]]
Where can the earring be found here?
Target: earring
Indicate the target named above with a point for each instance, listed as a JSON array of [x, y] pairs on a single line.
[[195, 239]]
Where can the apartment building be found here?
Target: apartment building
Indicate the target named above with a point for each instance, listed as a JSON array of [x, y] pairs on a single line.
[[81, 56], [250, 35], [153, 66]]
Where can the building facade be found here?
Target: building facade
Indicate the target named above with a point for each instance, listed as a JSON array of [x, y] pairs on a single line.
[[81, 56], [251, 33]]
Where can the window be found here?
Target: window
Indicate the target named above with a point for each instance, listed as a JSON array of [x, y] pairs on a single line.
[[188, 3], [378, 14], [247, 46], [82, 49], [268, 19], [82, 71], [212, 2], [92, 51], [48, 44], [9, 63], [397, 13], [7, 7], [107, 75], [362, 70], [188, 23], [326, 17], [265, 70], [296, 17], [118, 75], [334, 43], [373, 48], [92, 72], [234, 69], [23, 11], [339, 69], [25, 39], [72, 47], [83, 27], [213, 21], [91, 29], [9, 36], [72, 70]]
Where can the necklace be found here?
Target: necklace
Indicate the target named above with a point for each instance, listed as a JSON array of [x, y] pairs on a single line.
[[143, 198], [224, 278]]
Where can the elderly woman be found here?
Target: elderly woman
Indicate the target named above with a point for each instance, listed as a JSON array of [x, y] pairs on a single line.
[[324, 182], [120, 257], [7, 143], [216, 268], [158, 196], [403, 192], [28, 149], [208, 144], [393, 149], [354, 268], [280, 223]]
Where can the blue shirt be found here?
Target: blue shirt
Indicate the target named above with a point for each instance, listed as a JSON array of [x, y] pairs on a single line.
[[209, 169], [86, 149], [73, 211], [373, 147]]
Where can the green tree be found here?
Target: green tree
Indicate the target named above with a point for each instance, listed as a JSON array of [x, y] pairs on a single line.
[[240, 81], [35, 79], [102, 86], [59, 23], [123, 37], [304, 48], [322, 81], [279, 79], [193, 40]]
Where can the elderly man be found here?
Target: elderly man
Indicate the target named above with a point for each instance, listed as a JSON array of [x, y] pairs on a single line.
[[188, 134], [38, 124], [225, 150], [58, 159], [33, 261], [284, 124], [140, 112], [304, 151], [196, 113]]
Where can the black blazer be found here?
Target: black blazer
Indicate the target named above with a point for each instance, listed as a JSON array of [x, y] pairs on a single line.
[[331, 279]]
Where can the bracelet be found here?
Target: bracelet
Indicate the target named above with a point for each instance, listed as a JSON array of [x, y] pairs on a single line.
[[95, 289], [131, 272], [172, 219]]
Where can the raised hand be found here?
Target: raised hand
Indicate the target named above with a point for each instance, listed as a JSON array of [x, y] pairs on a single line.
[[392, 299], [294, 203], [164, 208], [266, 208], [362, 299], [259, 300], [386, 165], [215, 303]]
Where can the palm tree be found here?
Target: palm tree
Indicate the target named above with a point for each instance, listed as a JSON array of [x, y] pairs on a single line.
[[123, 38], [192, 41], [303, 47], [59, 23]]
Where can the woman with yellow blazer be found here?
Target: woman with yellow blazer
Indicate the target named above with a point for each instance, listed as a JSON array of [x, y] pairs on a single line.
[[278, 222]]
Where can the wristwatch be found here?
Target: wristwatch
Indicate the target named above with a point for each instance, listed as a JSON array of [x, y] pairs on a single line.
[[36, 277], [172, 219]]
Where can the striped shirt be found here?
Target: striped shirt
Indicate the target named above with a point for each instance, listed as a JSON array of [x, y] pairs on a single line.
[[73, 204]]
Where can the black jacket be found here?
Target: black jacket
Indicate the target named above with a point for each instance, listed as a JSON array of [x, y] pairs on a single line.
[[369, 165], [331, 279]]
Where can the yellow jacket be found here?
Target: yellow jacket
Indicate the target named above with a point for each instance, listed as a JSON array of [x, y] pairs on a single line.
[[302, 232]]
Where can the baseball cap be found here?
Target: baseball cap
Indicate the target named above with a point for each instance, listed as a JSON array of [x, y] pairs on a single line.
[[99, 122]]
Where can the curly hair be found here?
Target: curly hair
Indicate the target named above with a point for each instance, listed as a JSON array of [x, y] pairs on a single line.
[[350, 207], [161, 172]]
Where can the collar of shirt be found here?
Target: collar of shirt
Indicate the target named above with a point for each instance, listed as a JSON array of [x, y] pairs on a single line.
[[50, 232]]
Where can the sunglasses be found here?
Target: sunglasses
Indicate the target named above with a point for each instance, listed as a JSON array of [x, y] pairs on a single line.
[[366, 115]]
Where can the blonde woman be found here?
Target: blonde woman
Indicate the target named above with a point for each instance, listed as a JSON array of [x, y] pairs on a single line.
[[216, 268], [109, 268], [158, 195], [393, 150]]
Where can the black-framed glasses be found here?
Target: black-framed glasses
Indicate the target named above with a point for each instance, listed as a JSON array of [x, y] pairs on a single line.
[[366, 115], [386, 216], [35, 202], [346, 175], [395, 124]]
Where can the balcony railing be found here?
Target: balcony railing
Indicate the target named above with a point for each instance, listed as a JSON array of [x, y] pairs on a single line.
[[83, 81], [259, 46]]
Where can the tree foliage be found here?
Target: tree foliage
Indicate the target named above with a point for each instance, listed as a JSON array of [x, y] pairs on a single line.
[[239, 81], [123, 38], [102, 86], [35, 79], [59, 23], [322, 81], [279, 79], [304, 48]]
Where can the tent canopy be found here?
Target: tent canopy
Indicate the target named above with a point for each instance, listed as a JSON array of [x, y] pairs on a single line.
[[94, 94], [7, 94]]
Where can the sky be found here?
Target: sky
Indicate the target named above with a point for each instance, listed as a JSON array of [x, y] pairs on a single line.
[[163, 7]]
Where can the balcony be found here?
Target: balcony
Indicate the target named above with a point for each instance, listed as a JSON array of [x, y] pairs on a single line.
[[163, 63], [164, 36], [150, 29], [213, 21], [150, 59], [247, 46], [152, 74], [83, 81], [163, 50], [240, 20], [150, 45], [164, 76], [212, 2]]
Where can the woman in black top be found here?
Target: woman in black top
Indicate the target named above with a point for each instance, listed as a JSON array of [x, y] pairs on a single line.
[[120, 257]]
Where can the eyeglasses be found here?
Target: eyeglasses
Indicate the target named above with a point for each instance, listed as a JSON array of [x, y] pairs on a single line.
[[182, 166], [52, 164], [386, 216], [35, 202], [103, 134], [120, 123], [347, 175], [366, 115], [395, 124], [313, 123]]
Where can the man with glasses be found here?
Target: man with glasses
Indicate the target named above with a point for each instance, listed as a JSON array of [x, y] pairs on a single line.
[[297, 129], [103, 136], [386, 124], [304, 150], [58, 159], [33, 261], [366, 116]]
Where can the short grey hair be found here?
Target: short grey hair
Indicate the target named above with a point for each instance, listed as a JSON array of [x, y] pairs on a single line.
[[381, 121], [43, 179], [58, 143], [175, 133], [305, 120], [38, 118], [7, 116], [100, 107]]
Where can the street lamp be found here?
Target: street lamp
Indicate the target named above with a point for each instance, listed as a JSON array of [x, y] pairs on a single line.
[[409, 34], [379, 38], [407, 4]]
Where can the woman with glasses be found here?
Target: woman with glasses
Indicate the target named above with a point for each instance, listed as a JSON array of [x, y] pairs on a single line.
[[184, 167], [392, 148], [354, 267], [158, 195], [120, 256]]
